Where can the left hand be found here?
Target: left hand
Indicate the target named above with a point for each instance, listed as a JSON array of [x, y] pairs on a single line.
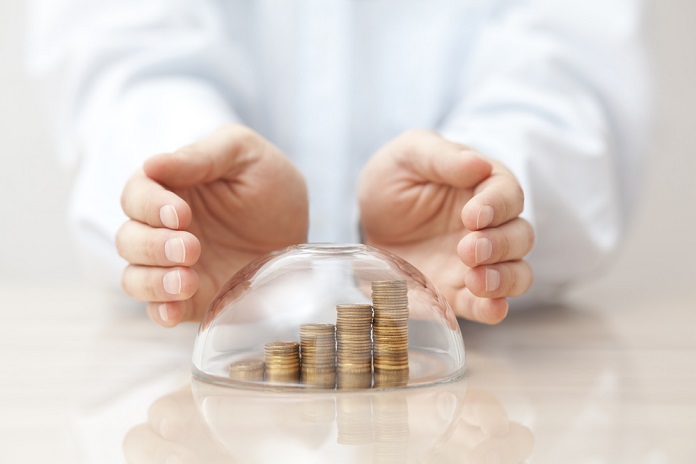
[[453, 215]]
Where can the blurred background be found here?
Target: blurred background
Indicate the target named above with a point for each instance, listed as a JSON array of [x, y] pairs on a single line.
[[658, 253]]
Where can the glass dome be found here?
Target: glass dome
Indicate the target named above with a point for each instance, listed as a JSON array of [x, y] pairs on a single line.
[[328, 316]]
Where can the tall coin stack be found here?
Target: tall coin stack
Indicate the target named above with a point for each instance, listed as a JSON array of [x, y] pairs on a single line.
[[390, 327], [318, 354], [354, 344], [282, 361]]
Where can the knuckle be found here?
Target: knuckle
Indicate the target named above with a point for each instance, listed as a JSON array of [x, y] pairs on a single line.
[[241, 133], [519, 196], [151, 209], [530, 276], [151, 248], [188, 151], [531, 236], [153, 286], [505, 249], [414, 134], [124, 200], [126, 282], [119, 240], [127, 194]]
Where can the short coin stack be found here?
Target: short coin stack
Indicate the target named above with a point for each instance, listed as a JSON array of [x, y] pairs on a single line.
[[282, 362], [247, 370], [390, 326], [354, 339], [318, 354]]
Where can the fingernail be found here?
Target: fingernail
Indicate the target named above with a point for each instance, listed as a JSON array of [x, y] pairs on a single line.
[[485, 217], [175, 250], [172, 282], [483, 249], [169, 217], [163, 314], [492, 280]]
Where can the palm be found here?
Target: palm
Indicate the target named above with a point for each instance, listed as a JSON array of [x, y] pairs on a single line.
[[407, 209], [425, 231], [245, 199], [231, 220]]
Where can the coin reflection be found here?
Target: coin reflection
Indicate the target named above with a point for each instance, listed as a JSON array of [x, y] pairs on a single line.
[[440, 424]]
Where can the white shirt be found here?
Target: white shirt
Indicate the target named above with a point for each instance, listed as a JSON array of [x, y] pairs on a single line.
[[555, 89]]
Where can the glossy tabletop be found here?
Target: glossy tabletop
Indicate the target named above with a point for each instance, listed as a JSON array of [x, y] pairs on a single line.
[[610, 379]]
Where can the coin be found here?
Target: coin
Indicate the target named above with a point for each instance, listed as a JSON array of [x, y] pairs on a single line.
[[354, 380], [390, 331], [318, 345], [354, 338], [247, 370], [282, 361], [318, 355]]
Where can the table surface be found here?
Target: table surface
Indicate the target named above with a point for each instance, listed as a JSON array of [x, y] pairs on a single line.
[[87, 378]]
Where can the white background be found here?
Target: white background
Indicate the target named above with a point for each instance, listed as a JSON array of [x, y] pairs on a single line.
[[659, 252]]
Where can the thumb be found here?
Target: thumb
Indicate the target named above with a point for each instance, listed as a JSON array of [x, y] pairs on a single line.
[[431, 158], [223, 154]]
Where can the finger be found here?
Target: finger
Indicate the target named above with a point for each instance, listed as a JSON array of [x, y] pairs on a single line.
[[434, 159], [146, 283], [142, 445], [223, 154], [511, 241], [512, 278], [139, 243], [484, 310], [497, 200], [146, 201], [170, 313]]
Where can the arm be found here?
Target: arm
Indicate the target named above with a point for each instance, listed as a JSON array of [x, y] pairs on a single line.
[[557, 91], [126, 80]]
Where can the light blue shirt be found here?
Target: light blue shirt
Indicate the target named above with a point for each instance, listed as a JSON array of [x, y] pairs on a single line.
[[557, 90]]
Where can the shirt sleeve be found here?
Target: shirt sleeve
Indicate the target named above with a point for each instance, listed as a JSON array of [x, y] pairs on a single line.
[[559, 92], [125, 80]]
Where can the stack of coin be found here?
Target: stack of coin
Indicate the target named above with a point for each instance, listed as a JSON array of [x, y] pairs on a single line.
[[354, 338], [318, 354], [282, 362], [247, 370], [391, 378], [354, 380], [390, 326]]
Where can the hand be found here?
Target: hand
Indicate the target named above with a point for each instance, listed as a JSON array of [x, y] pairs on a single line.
[[174, 432], [198, 215], [454, 216]]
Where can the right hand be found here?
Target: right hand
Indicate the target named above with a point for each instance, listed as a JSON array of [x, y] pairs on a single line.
[[198, 215]]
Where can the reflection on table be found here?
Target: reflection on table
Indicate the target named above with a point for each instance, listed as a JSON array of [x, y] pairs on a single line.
[[212, 424]]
